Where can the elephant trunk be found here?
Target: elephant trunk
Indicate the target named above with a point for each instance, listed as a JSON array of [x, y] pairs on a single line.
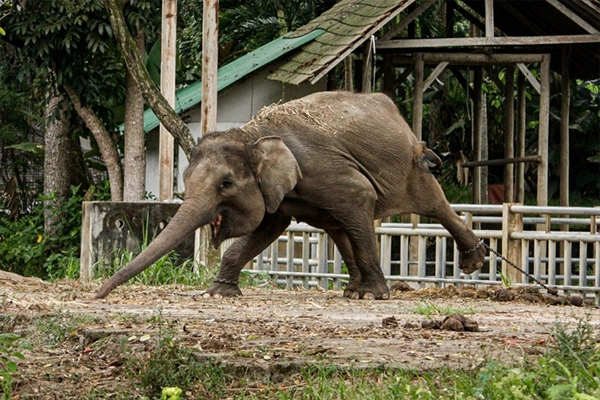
[[188, 218]]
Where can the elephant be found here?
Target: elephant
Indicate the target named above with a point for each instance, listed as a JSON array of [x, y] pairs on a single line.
[[335, 160]]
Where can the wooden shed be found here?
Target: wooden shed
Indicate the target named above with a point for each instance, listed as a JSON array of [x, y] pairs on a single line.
[[553, 35]]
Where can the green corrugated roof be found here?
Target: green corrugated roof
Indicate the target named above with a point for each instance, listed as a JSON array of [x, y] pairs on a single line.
[[347, 24], [235, 70]]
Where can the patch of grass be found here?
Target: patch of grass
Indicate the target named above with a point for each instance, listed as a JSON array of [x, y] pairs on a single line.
[[170, 269], [170, 363], [52, 330], [430, 309]]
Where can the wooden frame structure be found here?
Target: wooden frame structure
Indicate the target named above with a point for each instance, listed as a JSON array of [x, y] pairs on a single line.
[[554, 35]]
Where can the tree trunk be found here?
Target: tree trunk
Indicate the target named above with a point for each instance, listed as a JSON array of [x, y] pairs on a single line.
[[57, 168], [108, 148], [135, 65], [135, 156]]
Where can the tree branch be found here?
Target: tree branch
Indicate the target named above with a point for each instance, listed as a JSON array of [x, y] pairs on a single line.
[[165, 113], [105, 142]]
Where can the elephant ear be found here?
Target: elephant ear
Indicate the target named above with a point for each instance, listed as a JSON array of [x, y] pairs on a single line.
[[277, 172]]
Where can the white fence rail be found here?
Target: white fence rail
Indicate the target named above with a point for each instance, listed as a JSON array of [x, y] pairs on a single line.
[[560, 246]]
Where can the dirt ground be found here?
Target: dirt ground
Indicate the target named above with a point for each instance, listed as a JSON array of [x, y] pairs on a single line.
[[274, 331]]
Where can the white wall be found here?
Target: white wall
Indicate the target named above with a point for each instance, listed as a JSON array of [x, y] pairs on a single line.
[[236, 106]]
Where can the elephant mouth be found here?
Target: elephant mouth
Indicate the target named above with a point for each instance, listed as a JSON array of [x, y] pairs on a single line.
[[215, 225]]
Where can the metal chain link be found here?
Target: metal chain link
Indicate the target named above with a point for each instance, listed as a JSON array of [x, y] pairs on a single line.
[[552, 291]]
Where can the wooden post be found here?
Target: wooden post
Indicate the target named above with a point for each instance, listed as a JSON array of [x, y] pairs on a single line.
[[511, 222], [489, 18], [208, 107], [166, 144], [417, 112], [477, 80], [348, 73], [564, 128], [509, 132], [483, 152], [367, 67], [544, 118], [210, 65], [521, 127]]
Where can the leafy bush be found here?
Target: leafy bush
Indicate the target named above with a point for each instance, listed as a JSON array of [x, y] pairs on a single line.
[[9, 345], [27, 250]]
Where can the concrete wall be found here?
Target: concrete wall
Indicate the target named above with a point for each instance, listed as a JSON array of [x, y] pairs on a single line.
[[236, 105], [111, 229]]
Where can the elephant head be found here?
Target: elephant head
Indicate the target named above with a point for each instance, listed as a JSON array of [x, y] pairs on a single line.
[[232, 179]]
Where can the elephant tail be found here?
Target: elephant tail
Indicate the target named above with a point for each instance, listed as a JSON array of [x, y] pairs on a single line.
[[425, 158]]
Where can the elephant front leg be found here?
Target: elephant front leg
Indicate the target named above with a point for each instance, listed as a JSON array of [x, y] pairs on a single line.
[[241, 252]]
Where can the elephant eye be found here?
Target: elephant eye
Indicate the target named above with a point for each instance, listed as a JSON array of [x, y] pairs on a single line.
[[226, 184]]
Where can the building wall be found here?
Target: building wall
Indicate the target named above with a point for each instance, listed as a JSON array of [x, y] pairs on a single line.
[[236, 105]]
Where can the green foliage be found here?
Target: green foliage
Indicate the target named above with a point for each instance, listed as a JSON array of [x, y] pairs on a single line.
[[243, 27], [27, 250], [170, 269], [170, 364], [10, 345], [430, 309]]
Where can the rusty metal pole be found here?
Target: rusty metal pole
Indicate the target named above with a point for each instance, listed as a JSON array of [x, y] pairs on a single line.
[[167, 87]]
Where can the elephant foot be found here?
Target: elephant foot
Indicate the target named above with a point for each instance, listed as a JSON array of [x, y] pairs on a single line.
[[218, 290], [351, 288], [472, 260], [372, 291]]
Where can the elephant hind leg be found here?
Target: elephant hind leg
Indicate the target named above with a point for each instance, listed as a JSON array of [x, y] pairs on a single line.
[[241, 251]]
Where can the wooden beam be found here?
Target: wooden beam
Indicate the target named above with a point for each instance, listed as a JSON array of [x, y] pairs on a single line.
[[564, 127], [367, 67], [527, 74], [396, 29], [166, 145], [208, 106], [434, 74], [520, 144], [417, 112], [544, 122], [487, 41], [509, 133], [489, 18], [477, 127], [572, 16], [210, 63], [481, 59], [502, 161]]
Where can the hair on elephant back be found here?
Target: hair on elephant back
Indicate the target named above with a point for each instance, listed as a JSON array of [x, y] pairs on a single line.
[[335, 160]]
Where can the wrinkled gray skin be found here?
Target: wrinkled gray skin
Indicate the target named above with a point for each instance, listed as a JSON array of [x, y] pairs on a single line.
[[335, 160]]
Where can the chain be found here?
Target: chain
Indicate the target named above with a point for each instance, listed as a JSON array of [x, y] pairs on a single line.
[[225, 281], [552, 291]]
